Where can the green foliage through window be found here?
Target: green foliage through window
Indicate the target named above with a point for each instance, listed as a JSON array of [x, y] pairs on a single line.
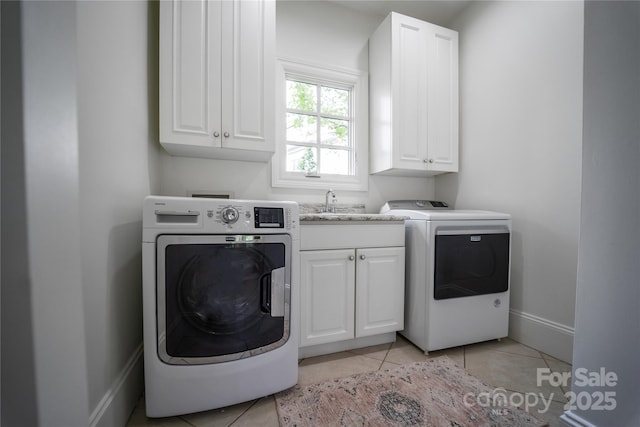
[[318, 128], [308, 161]]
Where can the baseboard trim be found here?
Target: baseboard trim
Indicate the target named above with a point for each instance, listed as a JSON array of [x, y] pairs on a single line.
[[570, 419], [338, 346], [116, 405], [552, 338]]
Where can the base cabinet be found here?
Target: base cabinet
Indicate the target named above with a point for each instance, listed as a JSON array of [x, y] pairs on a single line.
[[327, 294], [351, 293], [379, 290]]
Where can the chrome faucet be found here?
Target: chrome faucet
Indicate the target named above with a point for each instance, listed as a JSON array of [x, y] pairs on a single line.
[[328, 208]]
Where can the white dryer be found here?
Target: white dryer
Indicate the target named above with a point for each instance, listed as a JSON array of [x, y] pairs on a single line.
[[220, 292], [457, 274]]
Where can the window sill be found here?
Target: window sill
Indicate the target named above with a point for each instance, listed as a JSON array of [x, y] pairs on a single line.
[[321, 183]]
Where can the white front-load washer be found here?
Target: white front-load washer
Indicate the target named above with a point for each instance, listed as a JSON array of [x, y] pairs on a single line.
[[220, 292], [457, 274]]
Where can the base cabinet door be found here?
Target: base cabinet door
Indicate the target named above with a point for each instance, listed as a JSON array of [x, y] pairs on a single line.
[[327, 291], [350, 293], [379, 291]]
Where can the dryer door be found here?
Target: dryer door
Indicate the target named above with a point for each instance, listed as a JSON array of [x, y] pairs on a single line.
[[222, 297], [471, 264]]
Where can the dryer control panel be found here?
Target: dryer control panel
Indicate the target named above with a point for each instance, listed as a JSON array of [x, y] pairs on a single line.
[[414, 205]]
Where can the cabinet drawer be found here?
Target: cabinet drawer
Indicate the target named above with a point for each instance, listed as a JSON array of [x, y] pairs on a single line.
[[352, 235]]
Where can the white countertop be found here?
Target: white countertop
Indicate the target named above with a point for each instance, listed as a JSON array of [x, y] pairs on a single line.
[[335, 217]]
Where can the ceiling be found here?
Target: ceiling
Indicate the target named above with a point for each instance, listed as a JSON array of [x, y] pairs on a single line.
[[439, 12]]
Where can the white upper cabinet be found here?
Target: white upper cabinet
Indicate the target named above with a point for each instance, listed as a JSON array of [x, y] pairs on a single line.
[[217, 71], [413, 68]]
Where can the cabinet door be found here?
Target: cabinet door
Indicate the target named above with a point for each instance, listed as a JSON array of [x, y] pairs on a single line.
[[327, 289], [379, 291], [190, 72], [217, 71], [442, 116], [409, 57], [414, 97], [248, 75]]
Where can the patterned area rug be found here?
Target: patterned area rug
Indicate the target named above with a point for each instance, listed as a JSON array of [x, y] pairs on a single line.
[[432, 393]]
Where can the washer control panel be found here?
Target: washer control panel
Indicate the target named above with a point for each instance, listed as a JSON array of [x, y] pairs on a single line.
[[269, 217], [221, 216], [229, 215], [242, 216]]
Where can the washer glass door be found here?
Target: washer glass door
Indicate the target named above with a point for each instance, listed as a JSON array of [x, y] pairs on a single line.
[[222, 297]]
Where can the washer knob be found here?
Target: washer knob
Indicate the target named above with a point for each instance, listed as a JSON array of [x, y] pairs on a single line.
[[230, 215]]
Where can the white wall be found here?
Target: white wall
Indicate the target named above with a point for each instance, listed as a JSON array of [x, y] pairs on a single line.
[[77, 160], [43, 375], [117, 116], [319, 32], [608, 295], [520, 145], [18, 376]]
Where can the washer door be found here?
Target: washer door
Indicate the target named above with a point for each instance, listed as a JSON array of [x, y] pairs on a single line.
[[222, 298]]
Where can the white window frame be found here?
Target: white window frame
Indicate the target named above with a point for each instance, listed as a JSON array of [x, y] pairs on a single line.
[[358, 83]]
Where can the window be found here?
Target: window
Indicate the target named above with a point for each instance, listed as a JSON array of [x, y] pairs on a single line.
[[318, 128], [322, 125]]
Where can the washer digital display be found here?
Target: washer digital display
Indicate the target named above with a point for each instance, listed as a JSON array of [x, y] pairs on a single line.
[[268, 217]]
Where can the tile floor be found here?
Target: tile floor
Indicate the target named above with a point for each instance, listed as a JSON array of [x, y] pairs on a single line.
[[507, 364]]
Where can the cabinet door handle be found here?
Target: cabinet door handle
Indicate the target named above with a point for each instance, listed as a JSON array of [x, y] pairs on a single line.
[[351, 257], [226, 134], [216, 134], [362, 257]]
